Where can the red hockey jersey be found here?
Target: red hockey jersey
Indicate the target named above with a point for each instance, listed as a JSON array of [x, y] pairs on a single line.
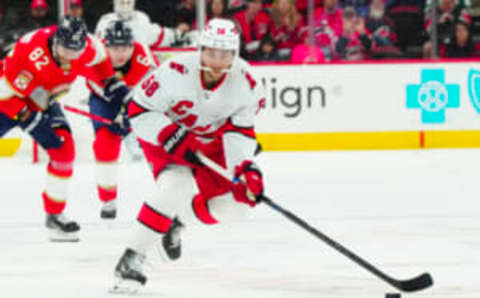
[[140, 64], [32, 76]]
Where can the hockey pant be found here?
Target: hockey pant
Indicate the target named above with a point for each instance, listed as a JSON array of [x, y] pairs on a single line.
[[193, 195]]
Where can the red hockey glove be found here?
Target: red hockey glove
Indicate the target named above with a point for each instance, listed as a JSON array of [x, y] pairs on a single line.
[[179, 143], [250, 183]]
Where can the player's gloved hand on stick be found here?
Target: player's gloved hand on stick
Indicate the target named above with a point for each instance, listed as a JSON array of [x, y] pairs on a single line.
[[121, 124], [248, 185], [39, 126], [116, 93], [180, 143]]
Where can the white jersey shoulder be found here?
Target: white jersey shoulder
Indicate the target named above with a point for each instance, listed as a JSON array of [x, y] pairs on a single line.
[[181, 91]]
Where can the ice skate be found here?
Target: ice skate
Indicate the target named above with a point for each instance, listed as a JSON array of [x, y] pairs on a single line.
[[61, 228], [129, 273], [108, 210], [170, 247]]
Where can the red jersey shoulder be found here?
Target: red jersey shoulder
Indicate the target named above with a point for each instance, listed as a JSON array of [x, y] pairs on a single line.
[[142, 56], [28, 59], [141, 63], [35, 41]]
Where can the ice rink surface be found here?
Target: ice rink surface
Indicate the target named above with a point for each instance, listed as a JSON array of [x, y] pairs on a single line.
[[404, 211]]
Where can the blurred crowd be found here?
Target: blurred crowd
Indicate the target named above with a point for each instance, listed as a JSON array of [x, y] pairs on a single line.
[[278, 30]]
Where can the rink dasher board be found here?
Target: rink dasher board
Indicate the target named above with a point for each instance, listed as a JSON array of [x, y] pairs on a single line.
[[347, 107]]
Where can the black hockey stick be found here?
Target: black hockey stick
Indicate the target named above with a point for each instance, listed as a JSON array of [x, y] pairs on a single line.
[[418, 283], [410, 285]]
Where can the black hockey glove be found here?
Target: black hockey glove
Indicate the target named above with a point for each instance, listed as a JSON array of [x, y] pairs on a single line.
[[39, 126], [121, 124], [116, 93]]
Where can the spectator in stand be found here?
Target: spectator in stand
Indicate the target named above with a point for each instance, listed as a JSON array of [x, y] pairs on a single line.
[[332, 12], [328, 27], [267, 51], [285, 26], [354, 43], [361, 6], [462, 45], [448, 13], [253, 23], [307, 52], [382, 31], [461, 3], [40, 17], [186, 13], [408, 19], [235, 6], [302, 6], [217, 9], [214, 9], [76, 8]]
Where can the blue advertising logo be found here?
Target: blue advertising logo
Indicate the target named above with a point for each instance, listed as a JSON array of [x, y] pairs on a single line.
[[474, 88], [433, 96]]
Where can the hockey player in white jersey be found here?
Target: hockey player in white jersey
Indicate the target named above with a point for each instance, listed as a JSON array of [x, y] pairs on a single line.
[[144, 31], [207, 102]]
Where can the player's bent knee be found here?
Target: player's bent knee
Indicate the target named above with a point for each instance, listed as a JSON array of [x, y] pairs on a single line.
[[106, 145], [175, 188]]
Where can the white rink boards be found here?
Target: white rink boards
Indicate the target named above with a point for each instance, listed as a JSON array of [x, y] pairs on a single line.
[[405, 211]]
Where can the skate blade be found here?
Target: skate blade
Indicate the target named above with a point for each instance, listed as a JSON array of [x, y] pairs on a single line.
[[59, 236], [125, 286]]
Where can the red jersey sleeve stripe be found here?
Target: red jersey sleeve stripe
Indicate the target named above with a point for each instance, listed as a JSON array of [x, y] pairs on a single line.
[[158, 43]]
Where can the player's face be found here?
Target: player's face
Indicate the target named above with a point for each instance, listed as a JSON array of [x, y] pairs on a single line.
[[217, 60], [67, 55], [120, 55]]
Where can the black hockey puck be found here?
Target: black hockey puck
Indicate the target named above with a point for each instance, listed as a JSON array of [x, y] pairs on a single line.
[[392, 295]]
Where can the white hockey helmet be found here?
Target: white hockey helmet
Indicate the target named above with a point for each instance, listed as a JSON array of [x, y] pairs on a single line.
[[124, 8], [220, 34]]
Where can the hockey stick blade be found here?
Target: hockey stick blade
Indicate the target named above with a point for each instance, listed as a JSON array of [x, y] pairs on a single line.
[[418, 283]]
